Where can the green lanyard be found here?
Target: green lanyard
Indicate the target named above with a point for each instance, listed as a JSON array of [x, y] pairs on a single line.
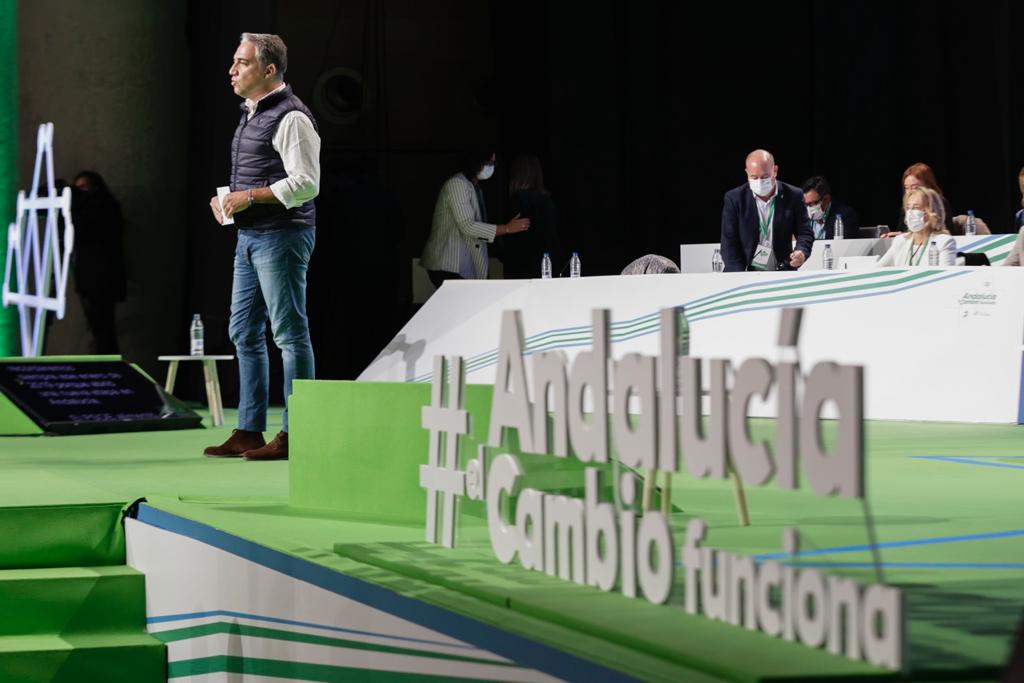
[[919, 253], [766, 225]]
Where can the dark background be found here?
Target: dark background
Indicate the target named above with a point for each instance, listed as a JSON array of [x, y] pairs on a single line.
[[641, 112]]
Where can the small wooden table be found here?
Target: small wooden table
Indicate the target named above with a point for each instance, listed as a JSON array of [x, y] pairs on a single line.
[[212, 382]]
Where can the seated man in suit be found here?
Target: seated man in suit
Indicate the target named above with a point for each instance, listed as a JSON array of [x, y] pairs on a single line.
[[762, 218], [822, 211]]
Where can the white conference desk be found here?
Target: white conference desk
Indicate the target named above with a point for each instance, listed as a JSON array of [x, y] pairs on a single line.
[[696, 258]]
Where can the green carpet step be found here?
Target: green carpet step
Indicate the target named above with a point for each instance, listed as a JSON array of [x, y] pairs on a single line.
[[67, 600], [61, 536], [82, 658]]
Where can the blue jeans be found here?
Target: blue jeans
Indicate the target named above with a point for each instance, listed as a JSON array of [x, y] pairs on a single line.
[[270, 279]]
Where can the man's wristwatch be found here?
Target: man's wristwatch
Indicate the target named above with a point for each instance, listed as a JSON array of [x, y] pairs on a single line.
[[250, 199]]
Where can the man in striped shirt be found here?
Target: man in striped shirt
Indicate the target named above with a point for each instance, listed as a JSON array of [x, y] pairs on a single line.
[[457, 246]]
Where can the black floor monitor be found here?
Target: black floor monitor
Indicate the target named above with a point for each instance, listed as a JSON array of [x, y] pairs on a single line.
[[83, 396]]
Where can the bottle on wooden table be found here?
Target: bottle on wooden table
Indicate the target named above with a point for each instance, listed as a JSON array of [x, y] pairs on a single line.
[[195, 334]]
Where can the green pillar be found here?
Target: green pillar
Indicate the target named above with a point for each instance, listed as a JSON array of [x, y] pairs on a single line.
[[8, 156]]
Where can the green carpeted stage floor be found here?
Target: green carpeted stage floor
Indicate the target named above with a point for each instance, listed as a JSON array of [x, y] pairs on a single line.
[[946, 502]]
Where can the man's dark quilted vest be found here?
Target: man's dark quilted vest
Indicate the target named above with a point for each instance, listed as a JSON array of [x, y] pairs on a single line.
[[255, 163]]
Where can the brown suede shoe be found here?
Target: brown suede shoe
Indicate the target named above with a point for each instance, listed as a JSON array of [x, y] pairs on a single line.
[[238, 443], [277, 449]]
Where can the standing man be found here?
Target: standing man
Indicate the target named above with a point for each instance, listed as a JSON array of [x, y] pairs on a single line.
[[275, 174], [822, 211], [762, 218]]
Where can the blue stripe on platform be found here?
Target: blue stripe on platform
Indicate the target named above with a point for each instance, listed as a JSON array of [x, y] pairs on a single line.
[[912, 565], [969, 460], [171, 618], [525, 652], [981, 242], [992, 535]]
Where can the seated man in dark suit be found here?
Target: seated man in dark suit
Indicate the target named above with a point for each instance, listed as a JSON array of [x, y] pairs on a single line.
[[762, 218], [822, 211]]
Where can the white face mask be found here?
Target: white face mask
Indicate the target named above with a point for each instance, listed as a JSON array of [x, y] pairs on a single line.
[[486, 172], [815, 213], [762, 186], [915, 220]]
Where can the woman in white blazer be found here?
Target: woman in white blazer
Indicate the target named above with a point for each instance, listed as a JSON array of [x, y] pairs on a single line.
[[457, 246], [925, 217]]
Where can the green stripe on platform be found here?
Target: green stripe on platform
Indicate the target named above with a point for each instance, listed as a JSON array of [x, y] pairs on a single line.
[[993, 245], [213, 628], [792, 294], [299, 671], [810, 290], [806, 284]]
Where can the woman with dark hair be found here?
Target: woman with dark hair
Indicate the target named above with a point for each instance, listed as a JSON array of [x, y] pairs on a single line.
[[521, 254], [457, 246], [98, 256]]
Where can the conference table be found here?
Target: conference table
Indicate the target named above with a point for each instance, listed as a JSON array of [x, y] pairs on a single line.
[[852, 254]]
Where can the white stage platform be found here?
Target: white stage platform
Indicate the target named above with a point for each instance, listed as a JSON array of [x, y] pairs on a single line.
[[941, 344]]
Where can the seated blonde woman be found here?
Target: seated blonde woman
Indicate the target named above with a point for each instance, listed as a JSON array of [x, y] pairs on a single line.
[[925, 217]]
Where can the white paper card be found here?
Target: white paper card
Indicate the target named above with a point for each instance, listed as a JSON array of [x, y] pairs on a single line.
[[221, 193]]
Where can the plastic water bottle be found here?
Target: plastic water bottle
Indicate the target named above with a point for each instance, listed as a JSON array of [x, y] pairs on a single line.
[[826, 258], [195, 333], [717, 264], [970, 227], [545, 266], [933, 254], [575, 269], [839, 227]]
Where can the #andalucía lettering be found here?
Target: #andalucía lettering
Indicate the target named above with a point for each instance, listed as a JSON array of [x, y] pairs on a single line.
[[613, 546]]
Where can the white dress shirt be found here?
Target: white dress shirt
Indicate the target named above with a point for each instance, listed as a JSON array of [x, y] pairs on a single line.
[[763, 208], [818, 227], [298, 144], [763, 205]]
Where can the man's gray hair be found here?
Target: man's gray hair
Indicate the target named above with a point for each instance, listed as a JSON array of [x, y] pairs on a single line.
[[270, 49]]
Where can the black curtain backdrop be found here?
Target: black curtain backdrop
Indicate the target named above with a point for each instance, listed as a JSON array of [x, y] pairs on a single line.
[[642, 114]]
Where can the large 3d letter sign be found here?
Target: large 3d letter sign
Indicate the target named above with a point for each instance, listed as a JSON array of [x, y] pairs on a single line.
[[609, 546]]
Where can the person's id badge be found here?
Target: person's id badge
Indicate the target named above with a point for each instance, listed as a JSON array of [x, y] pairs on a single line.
[[762, 257]]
